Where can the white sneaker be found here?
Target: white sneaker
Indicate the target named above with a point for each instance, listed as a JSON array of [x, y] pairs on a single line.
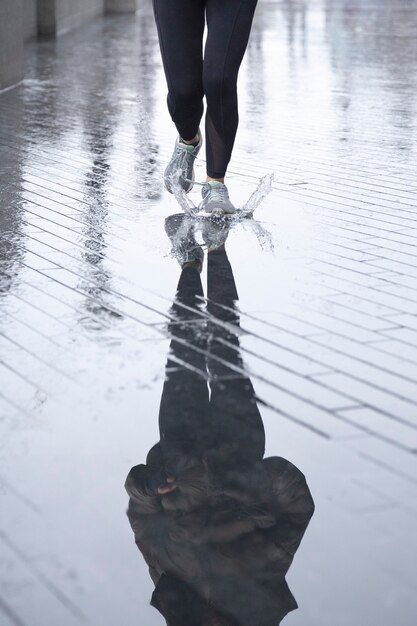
[[182, 163], [214, 232], [216, 199]]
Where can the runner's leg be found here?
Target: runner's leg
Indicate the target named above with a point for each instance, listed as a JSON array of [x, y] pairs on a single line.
[[229, 24], [180, 25]]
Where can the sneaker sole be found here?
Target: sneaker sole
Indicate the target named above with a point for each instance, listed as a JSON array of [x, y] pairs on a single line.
[[218, 211]]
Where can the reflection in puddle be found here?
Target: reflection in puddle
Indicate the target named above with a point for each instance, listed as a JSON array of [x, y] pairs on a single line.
[[217, 524]]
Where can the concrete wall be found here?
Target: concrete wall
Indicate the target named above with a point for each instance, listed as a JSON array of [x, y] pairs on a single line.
[[73, 13], [21, 20], [29, 19], [46, 18], [11, 42], [122, 6], [58, 16]]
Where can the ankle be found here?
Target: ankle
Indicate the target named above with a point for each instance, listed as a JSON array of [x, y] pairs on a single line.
[[191, 142], [196, 264], [215, 248], [209, 179]]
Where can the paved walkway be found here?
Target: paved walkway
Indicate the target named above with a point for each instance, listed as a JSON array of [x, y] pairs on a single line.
[[326, 275]]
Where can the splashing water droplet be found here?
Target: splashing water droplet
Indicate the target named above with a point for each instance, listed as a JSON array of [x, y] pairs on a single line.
[[180, 195], [263, 189], [264, 237]]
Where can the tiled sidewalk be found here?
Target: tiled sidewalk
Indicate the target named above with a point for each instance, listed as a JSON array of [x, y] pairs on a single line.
[[326, 275]]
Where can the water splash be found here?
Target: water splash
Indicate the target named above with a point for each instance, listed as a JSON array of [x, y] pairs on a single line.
[[264, 237], [181, 197], [181, 233], [263, 189], [261, 192]]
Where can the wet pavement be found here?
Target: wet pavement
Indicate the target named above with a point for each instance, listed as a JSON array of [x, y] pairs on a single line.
[[318, 355]]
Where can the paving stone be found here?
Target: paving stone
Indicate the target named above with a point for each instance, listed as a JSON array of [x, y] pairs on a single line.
[[371, 395], [375, 422]]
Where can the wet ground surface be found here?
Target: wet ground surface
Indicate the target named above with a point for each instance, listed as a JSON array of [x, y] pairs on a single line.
[[325, 327]]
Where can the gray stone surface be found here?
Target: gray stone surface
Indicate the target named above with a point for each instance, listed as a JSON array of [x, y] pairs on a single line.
[[11, 43], [327, 280]]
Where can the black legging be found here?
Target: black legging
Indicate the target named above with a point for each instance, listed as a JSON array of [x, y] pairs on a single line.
[[180, 26]]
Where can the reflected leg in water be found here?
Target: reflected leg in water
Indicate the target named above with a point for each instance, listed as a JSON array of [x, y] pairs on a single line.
[[185, 399], [233, 408]]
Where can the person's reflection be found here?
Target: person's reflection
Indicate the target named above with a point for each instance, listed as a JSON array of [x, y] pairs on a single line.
[[217, 524]]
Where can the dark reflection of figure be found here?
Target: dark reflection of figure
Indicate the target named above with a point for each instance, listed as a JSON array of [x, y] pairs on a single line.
[[100, 115], [148, 185], [217, 524], [98, 133], [12, 231], [295, 13]]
